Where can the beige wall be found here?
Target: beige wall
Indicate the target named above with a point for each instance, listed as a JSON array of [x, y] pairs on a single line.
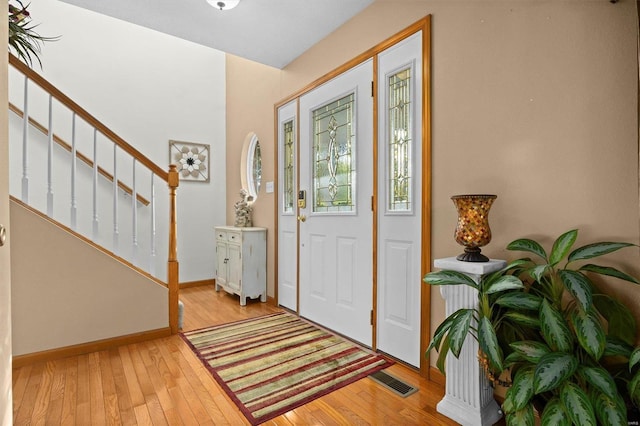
[[63, 301], [534, 101], [252, 91]]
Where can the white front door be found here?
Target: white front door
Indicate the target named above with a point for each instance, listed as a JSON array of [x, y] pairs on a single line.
[[287, 208], [336, 175], [400, 199]]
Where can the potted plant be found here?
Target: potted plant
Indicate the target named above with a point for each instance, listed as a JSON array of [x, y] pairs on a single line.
[[23, 38], [568, 345]]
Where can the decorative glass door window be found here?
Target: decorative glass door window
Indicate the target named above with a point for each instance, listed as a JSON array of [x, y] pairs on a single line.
[[288, 165], [400, 142], [334, 157]]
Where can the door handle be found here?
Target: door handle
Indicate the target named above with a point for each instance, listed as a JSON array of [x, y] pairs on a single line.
[[302, 218], [3, 235]]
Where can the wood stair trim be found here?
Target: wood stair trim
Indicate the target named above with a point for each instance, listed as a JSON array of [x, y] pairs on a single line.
[[85, 348], [57, 139], [171, 177], [88, 241], [90, 119]]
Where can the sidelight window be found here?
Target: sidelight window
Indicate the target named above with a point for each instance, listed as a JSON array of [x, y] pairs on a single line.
[[289, 169], [400, 142]]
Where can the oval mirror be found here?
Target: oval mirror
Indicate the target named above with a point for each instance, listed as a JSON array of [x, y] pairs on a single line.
[[251, 165]]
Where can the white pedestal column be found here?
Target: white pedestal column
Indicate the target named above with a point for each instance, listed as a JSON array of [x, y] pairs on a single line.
[[468, 395]]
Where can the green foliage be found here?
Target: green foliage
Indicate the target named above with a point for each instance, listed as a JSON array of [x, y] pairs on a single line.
[[554, 414], [520, 392], [450, 335], [579, 408], [552, 370], [23, 38], [569, 346], [523, 417]]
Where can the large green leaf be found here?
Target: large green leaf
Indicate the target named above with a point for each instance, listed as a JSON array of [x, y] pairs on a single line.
[[621, 322], [488, 343], [634, 358], [554, 414], [562, 246], [609, 271], [445, 326], [596, 249], [553, 370], [530, 350], [554, 328], [449, 278], [512, 266], [515, 264], [590, 333], [539, 271], [617, 347], [519, 300], [609, 412], [578, 285], [524, 417], [634, 389], [600, 379], [525, 244], [504, 283], [521, 389], [459, 331], [513, 358], [442, 355], [523, 318], [507, 405], [577, 405]]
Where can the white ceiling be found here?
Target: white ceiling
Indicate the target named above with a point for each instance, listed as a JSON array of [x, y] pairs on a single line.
[[272, 32]]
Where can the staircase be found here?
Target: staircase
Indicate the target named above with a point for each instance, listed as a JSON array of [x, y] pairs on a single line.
[[86, 199]]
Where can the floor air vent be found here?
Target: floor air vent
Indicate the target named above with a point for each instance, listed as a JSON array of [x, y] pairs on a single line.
[[395, 385]]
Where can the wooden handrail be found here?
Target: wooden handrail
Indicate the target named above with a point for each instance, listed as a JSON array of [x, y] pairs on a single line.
[[57, 139], [172, 177], [90, 119]]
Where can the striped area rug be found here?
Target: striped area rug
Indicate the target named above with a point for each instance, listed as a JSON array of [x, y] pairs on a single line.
[[274, 363]]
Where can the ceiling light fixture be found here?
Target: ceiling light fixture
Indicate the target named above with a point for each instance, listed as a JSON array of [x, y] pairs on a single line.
[[223, 4]]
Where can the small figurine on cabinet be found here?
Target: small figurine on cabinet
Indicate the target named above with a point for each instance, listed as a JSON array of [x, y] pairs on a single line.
[[243, 210]]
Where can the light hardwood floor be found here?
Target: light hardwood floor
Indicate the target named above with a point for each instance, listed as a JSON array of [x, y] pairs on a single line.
[[161, 382]]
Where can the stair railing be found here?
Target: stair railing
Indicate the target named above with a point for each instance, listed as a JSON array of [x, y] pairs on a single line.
[[46, 185]]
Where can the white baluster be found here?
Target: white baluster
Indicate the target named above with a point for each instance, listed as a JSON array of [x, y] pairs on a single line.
[[50, 161], [25, 136], [152, 266], [95, 184], [74, 203], [115, 200], [134, 212]]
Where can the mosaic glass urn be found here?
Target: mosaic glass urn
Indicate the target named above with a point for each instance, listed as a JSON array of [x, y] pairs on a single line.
[[473, 230]]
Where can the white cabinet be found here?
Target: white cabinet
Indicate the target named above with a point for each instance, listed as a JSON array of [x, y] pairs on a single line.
[[241, 262]]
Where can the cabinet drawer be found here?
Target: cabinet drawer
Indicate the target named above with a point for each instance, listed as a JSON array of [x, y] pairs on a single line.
[[228, 236], [233, 237]]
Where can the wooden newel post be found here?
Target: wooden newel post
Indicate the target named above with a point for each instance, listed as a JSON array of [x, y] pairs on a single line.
[[172, 273]]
